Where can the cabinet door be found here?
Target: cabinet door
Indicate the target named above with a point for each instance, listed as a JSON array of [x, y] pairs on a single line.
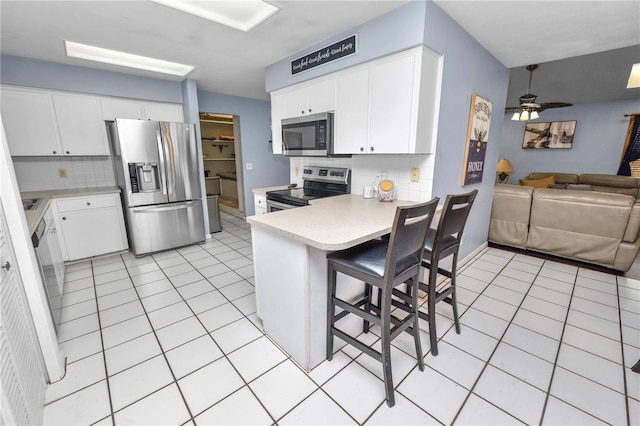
[[121, 108], [260, 203], [295, 102], [82, 130], [157, 111], [92, 232], [321, 96], [392, 95], [29, 122], [277, 114], [351, 119]]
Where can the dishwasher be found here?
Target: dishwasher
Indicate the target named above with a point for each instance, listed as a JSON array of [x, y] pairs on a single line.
[[47, 247]]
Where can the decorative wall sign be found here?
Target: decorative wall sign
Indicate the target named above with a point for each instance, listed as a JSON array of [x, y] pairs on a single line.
[[337, 50], [477, 137], [550, 135]]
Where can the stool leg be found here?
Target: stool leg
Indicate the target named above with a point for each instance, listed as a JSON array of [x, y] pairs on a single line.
[[433, 335], [367, 306], [331, 309], [386, 347], [454, 299], [416, 325]]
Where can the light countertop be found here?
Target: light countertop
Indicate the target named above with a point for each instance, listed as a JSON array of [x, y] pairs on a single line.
[[263, 191], [34, 216], [333, 223]]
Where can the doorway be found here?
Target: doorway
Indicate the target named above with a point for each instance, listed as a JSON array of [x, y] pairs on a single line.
[[221, 152]]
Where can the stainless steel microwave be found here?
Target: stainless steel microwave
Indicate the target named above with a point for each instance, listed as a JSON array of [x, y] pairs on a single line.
[[310, 135]]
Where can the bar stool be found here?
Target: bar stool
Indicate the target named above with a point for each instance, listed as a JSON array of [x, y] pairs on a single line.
[[442, 242], [384, 264]]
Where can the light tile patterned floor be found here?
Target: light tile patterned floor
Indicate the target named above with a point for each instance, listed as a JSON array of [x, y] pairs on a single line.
[[173, 338]]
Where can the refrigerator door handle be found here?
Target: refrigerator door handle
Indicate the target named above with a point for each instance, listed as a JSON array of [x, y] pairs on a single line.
[[163, 164], [164, 207]]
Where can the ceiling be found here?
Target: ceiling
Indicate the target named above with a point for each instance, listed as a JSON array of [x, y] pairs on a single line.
[[229, 61]]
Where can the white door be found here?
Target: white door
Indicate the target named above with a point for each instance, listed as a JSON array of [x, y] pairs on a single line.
[[22, 375]]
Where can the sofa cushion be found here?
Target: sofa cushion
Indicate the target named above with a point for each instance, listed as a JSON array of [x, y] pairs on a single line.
[[612, 183], [582, 225], [560, 177], [539, 183]]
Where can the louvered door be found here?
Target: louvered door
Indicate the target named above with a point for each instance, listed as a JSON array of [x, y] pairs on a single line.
[[22, 373]]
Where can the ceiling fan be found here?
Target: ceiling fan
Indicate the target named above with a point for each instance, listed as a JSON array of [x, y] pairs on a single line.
[[528, 108]]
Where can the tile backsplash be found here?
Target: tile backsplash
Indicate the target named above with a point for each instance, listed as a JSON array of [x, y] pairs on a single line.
[[364, 168], [41, 173]]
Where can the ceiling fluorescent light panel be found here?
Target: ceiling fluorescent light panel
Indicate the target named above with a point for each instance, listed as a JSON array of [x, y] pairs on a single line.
[[115, 57], [242, 15]]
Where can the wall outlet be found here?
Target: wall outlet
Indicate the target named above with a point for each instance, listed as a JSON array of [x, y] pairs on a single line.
[[415, 174], [62, 173], [249, 166]]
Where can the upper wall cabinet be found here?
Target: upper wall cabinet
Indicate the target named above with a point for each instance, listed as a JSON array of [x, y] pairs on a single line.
[[82, 132], [30, 123], [40, 123], [113, 108], [310, 98], [277, 114]]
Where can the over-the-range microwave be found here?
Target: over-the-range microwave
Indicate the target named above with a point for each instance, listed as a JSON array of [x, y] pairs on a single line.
[[308, 136]]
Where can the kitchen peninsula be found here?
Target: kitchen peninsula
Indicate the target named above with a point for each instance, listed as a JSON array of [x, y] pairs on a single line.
[[289, 256]]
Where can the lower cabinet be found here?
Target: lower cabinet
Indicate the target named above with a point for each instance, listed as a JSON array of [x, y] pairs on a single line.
[[90, 226], [260, 203]]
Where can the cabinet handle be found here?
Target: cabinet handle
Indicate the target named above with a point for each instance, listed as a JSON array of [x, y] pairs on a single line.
[[309, 109], [301, 111], [54, 152], [68, 152], [371, 149], [64, 218], [6, 266], [361, 149], [88, 203]]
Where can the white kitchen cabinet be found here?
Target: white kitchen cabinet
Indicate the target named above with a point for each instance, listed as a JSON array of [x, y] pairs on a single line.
[[30, 123], [159, 111], [260, 203], [277, 114], [310, 98], [121, 108], [351, 120], [82, 130], [90, 226]]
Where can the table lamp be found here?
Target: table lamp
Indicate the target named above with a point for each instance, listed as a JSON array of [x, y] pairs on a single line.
[[504, 169]]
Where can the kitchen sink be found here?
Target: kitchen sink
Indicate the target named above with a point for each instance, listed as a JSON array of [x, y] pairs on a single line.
[[31, 203]]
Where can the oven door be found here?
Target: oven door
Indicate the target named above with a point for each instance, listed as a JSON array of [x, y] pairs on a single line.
[[274, 206], [307, 136]]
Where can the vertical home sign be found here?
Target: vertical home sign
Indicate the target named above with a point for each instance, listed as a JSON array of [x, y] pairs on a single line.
[[337, 50], [477, 137]]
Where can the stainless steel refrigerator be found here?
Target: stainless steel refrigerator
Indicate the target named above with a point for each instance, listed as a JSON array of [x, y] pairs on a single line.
[[156, 167]]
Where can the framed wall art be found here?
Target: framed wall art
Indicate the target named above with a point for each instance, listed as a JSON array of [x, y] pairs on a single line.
[[549, 135], [477, 137]]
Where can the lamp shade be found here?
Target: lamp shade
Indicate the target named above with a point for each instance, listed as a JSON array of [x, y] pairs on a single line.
[[504, 166]]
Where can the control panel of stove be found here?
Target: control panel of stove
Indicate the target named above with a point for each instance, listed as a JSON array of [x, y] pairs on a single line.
[[326, 174]]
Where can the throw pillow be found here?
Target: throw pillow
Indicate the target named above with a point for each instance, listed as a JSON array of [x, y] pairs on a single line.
[[539, 183], [559, 186], [579, 187]]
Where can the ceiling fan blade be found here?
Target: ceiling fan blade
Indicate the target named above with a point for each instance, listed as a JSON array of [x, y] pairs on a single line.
[[548, 105], [510, 109]]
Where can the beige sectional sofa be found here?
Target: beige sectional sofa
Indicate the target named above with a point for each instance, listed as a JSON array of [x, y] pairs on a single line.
[[598, 223]]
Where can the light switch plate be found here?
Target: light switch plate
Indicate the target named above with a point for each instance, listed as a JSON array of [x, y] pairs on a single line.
[[249, 166]]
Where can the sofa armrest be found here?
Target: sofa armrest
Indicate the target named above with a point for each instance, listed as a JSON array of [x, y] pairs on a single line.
[[509, 223], [633, 227]]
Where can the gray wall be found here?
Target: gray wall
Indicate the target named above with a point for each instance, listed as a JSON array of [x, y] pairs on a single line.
[[255, 134], [468, 69], [601, 130]]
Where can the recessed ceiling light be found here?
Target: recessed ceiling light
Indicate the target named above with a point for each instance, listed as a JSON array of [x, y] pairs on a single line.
[[634, 77], [92, 53], [239, 14]]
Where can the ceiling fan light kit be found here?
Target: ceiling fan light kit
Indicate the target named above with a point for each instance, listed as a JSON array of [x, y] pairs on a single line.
[[528, 108]]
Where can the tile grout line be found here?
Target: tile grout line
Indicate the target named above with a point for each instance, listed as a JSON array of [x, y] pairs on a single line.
[[624, 368]]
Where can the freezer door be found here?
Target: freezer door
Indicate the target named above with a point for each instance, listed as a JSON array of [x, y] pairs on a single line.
[[157, 228], [182, 165], [140, 162]]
